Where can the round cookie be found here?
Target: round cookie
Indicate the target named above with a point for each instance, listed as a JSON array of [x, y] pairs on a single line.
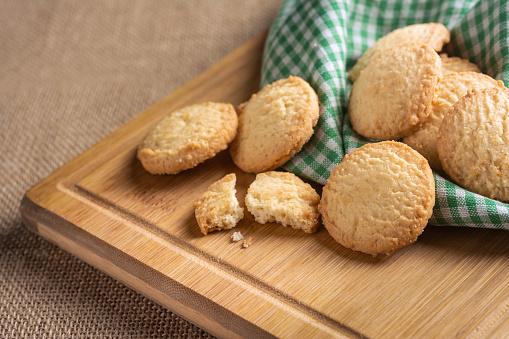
[[187, 137], [393, 96], [379, 198], [274, 125], [450, 89], [455, 64], [435, 35], [473, 143]]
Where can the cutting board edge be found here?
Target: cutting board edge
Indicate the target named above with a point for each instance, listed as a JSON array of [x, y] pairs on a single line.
[[81, 244]]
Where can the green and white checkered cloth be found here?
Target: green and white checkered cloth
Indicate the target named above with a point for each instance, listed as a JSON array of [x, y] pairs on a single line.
[[320, 40]]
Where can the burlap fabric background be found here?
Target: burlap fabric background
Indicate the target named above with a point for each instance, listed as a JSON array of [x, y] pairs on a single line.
[[70, 72]]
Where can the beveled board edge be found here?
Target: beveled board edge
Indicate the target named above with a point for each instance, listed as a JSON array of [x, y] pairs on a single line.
[[138, 276]]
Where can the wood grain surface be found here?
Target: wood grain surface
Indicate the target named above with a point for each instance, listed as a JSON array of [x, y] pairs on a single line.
[[139, 228]]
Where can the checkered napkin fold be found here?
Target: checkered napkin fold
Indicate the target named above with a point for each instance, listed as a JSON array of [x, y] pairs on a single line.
[[320, 40]]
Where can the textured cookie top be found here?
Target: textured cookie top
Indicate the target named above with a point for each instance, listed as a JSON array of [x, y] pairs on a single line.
[[284, 198], [473, 143], [274, 125], [218, 208], [393, 96], [187, 137], [432, 34], [455, 64], [379, 198], [450, 89]]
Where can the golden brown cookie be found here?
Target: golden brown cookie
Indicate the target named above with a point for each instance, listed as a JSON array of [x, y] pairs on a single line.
[[379, 198], [435, 35], [455, 64], [393, 96], [283, 198], [473, 143], [274, 125], [218, 208], [450, 89], [187, 137]]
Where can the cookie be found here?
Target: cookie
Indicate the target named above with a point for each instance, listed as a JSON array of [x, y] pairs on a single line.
[[218, 208], [450, 89], [379, 198], [274, 125], [393, 96], [435, 35], [283, 198], [455, 64], [187, 137], [473, 143]]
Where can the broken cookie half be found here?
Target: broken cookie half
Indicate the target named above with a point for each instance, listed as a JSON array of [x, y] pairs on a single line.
[[218, 208], [283, 198]]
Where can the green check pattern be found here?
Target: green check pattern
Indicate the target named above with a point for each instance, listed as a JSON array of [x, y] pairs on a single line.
[[320, 40]]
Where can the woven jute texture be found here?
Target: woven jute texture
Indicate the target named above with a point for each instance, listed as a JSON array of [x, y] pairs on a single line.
[[71, 72]]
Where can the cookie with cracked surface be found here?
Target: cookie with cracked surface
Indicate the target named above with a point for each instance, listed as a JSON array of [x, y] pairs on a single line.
[[274, 125], [455, 64], [283, 198], [393, 96], [379, 198], [187, 137], [450, 89], [473, 143], [433, 34], [218, 208]]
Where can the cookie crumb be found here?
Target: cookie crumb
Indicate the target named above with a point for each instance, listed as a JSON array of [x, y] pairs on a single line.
[[349, 204], [247, 242], [237, 236]]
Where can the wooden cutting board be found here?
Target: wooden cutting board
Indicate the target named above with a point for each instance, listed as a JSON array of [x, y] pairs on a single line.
[[140, 229]]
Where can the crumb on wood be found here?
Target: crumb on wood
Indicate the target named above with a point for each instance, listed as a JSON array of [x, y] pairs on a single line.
[[247, 242], [237, 236]]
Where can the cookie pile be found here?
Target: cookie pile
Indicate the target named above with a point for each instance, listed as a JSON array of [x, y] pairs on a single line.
[[441, 106], [380, 197], [271, 127]]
